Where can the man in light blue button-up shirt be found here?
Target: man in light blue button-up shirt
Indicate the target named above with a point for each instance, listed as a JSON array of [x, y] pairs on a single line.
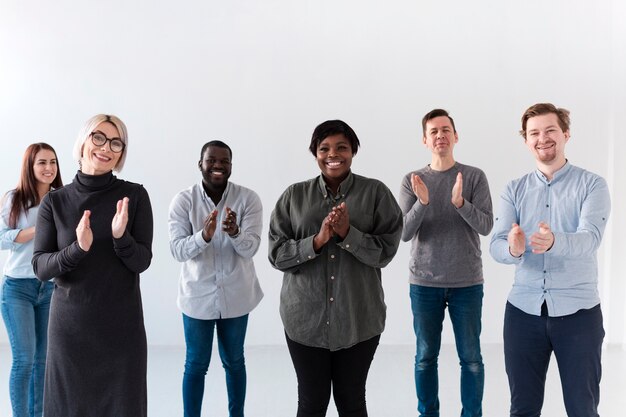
[[550, 225], [215, 230]]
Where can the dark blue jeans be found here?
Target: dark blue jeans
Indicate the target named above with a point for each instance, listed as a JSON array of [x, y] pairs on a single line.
[[199, 340], [465, 309], [576, 341], [25, 310]]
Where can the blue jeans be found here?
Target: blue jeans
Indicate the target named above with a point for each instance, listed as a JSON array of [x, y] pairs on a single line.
[[25, 309], [199, 340], [464, 307], [576, 341]]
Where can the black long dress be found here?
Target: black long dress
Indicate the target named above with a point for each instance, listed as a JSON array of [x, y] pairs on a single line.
[[97, 352]]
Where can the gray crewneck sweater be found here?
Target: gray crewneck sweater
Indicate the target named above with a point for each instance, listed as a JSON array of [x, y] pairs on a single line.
[[445, 246]]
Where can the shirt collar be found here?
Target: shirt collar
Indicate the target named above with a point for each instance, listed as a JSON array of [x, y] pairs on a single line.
[[558, 175], [343, 189], [206, 197]]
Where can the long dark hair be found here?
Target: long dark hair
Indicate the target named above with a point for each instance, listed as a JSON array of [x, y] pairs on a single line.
[[25, 195]]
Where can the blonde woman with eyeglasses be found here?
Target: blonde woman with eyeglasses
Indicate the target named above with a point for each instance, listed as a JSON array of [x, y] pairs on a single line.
[[95, 236]]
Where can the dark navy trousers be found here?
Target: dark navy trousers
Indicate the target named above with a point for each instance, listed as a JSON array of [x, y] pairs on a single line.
[[576, 341]]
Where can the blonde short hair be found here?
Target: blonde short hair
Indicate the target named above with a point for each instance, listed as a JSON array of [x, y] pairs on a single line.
[[89, 127]]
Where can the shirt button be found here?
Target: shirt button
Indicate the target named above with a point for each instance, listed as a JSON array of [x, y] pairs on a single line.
[[348, 245], [309, 256], [327, 322], [545, 272], [332, 256], [332, 299], [545, 291], [547, 205]]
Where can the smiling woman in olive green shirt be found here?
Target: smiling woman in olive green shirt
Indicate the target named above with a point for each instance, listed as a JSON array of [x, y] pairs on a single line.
[[331, 235]]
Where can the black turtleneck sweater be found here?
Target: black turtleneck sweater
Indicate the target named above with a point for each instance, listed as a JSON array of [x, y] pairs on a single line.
[[96, 363]]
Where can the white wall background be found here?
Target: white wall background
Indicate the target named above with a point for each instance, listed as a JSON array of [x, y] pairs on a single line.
[[262, 75]]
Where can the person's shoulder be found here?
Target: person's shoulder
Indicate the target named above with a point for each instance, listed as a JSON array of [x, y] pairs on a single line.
[[470, 169], [420, 171], [303, 185], [7, 197], [132, 187], [588, 178], [244, 192], [241, 189], [371, 183], [585, 173], [62, 190], [188, 193], [522, 182]]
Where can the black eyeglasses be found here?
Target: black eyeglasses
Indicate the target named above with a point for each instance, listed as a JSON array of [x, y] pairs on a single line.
[[115, 144]]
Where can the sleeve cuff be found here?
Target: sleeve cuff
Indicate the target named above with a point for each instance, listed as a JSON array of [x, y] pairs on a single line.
[[465, 208], [352, 239], [200, 240], [76, 252], [557, 246], [124, 241]]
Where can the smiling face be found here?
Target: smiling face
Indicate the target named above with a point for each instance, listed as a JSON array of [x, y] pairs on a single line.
[[439, 136], [334, 157], [215, 166], [45, 167], [546, 140], [97, 160]]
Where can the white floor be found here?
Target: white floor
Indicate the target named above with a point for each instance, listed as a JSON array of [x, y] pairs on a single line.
[[390, 390]]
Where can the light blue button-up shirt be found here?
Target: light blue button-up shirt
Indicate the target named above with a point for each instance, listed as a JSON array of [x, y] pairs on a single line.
[[18, 264], [217, 278], [576, 205]]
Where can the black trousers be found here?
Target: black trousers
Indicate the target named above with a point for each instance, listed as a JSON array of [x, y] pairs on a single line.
[[345, 370]]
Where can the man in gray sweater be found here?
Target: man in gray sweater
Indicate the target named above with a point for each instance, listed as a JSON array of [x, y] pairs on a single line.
[[445, 206]]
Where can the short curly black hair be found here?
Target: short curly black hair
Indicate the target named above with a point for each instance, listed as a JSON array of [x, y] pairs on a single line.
[[330, 128], [217, 144]]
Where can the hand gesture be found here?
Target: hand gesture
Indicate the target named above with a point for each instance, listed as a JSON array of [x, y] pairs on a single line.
[[457, 191], [210, 223], [120, 220], [340, 220], [84, 235], [517, 241], [229, 225], [542, 240], [420, 189], [324, 235]]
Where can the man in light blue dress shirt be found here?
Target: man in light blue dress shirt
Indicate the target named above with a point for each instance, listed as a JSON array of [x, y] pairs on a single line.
[[550, 225], [215, 230]]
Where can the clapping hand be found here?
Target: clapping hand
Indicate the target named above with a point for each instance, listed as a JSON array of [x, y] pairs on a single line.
[[340, 220], [210, 224], [542, 240], [457, 191], [84, 235], [517, 241], [419, 189], [229, 225], [120, 220]]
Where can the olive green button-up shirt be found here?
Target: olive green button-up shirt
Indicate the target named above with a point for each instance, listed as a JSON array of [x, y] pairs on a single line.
[[334, 299]]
